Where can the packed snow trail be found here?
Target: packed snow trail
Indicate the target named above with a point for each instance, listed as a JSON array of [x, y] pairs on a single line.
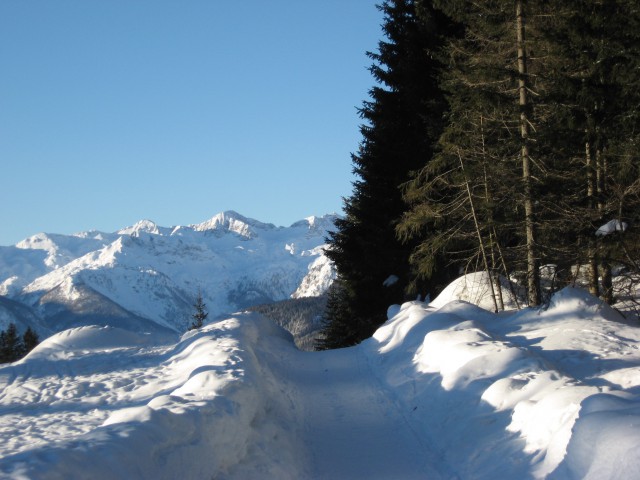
[[236, 400], [348, 424]]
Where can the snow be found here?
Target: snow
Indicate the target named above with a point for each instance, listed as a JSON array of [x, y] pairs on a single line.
[[612, 226], [390, 280], [143, 226], [476, 288], [442, 390], [319, 278], [231, 221]]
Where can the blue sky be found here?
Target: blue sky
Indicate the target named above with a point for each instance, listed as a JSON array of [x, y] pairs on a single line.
[[112, 111]]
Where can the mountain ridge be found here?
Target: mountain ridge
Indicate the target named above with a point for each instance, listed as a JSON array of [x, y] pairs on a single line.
[[153, 272]]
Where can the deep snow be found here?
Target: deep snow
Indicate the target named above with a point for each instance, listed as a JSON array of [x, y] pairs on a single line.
[[443, 390]]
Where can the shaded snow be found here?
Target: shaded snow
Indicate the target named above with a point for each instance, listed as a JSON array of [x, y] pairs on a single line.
[[390, 280], [610, 227]]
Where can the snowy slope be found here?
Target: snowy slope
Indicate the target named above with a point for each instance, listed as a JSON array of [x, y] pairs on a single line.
[[153, 272], [21, 316], [443, 390]]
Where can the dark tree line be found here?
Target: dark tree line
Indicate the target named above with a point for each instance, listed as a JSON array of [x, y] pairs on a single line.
[[13, 346], [402, 120], [518, 140]]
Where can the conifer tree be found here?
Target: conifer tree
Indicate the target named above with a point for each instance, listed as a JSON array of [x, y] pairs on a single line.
[[10, 346], [597, 85], [5, 354], [200, 314], [554, 85], [403, 119], [481, 198], [29, 340]]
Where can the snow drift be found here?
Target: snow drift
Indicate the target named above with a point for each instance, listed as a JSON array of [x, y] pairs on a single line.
[[114, 404]]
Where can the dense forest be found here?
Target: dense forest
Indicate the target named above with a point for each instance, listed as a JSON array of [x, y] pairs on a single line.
[[499, 136], [302, 317], [13, 346]]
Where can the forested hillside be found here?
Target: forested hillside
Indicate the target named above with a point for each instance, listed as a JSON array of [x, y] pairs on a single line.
[[302, 317]]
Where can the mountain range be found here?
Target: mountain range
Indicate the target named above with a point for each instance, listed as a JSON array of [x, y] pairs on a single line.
[[146, 277]]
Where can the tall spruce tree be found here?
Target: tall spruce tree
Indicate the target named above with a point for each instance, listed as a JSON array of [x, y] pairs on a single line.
[[617, 174], [482, 198], [540, 144], [30, 340], [403, 119]]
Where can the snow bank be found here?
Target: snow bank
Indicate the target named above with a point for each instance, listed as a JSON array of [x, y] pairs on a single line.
[[604, 441], [194, 409], [93, 338], [541, 393]]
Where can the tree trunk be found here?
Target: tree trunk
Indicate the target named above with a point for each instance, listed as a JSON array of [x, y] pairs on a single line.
[[600, 172], [479, 233], [607, 282], [533, 274], [592, 248], [493, 239]]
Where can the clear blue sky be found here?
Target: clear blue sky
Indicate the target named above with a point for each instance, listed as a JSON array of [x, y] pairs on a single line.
[[112, 111]]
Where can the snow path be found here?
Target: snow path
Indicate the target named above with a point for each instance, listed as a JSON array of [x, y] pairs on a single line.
[[240, 390], [349, 425]]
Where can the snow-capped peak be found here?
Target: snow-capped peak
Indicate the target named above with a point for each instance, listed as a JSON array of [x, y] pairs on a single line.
[[231, 221], [313, 223], [143, 226], [39, 241]]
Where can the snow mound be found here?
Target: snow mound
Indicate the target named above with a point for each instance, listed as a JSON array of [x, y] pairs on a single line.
[[194, 409], [557, 380], [475, 288], [575, 301], [604, 442], [612, 226], [89, 339]]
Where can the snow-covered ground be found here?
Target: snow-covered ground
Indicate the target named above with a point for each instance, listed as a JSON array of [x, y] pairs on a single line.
[[443, 390]]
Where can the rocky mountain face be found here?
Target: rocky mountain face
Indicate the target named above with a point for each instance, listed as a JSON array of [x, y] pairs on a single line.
[[146, 277]]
